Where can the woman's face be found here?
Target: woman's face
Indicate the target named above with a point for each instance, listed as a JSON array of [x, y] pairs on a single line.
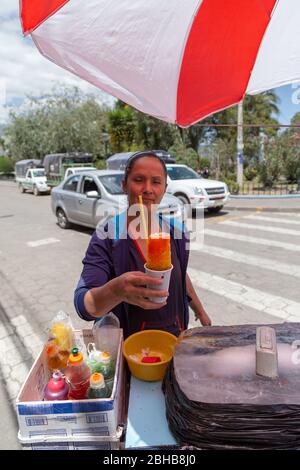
[[146, 178]]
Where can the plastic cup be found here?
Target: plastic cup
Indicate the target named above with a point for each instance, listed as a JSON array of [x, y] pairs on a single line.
[[165, 276]]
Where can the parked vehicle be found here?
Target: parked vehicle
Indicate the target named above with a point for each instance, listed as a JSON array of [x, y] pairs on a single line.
[[56, 165], [30, 176], [75, 170], [190, 188], [22, 166], [88, 197], [118, 160]]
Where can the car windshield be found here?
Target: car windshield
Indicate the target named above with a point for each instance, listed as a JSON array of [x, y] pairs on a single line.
[[37, 173], [112, 183], [182, 173]]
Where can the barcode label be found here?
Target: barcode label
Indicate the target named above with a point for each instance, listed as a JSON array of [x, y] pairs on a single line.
[[98, 418], [48, 432], [94, 446], [40, 421], [103, 431], [69, 419], [56, 446]]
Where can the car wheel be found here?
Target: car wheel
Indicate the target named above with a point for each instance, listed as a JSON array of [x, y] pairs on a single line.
[[62, 219], [186, 202], [21, 189], [215, 210], [35, 191]]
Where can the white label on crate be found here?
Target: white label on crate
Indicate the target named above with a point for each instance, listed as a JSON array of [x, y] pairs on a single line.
[[37, 421], [56, 446], [97, 431], [94, 446], [68, 419], [97, 418], [43, 432]]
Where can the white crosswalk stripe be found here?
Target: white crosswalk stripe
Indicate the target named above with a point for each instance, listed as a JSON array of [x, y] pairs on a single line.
[[276, 295], [267, 303], [45, 241], [259, 218], [232, 223], [264, 263], [254, 240]]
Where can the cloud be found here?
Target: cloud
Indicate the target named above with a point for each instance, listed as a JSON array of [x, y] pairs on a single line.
[[23, 70]]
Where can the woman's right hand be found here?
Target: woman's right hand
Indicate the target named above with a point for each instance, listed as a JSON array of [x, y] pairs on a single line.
[[131, 288]]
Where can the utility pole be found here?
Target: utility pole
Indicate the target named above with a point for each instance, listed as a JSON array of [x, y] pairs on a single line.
[[262, 138], [240, 145]]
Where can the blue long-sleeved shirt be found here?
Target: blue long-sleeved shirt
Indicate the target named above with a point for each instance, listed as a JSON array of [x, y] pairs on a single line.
[[111, 253]]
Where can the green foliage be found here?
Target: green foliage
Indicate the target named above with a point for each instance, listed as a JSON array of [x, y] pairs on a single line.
[[122, 126], [6, 165], [270, 169], [184, 155], [289, 148], [232, 185], [63, 122], [250, 173], [204, 163], [223, 158], [67, 120], [100, 164]]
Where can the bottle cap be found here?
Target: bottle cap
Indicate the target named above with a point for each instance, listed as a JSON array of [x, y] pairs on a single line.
[[76, 356], [105, 357], [97, 380], [94, 354], [57, 383]]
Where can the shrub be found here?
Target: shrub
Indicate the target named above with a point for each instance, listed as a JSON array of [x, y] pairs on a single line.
[[232, 185], [6, 165], [250, 173]]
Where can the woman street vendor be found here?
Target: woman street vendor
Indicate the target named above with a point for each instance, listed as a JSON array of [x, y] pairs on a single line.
[[113, 277]]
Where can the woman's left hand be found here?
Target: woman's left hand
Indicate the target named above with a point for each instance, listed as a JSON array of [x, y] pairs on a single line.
[[203, 318]]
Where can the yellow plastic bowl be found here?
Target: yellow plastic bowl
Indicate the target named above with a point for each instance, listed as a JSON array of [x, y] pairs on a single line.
[[156, 340]]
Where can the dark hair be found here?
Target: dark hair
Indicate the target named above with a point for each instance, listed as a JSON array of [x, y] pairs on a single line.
[[147, 153]]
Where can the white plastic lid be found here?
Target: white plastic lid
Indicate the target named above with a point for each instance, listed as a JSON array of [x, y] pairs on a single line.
[[105, 357]]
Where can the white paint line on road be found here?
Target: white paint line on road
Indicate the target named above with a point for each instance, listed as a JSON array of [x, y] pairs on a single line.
[[255, 240], [263, 263], [282, 220], [45, 241], [242, 225], [274, 305]]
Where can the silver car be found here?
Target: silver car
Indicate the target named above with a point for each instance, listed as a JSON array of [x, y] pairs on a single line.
[[92, 196]]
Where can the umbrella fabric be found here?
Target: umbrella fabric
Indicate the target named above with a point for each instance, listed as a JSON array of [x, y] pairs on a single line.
[[176, 60]]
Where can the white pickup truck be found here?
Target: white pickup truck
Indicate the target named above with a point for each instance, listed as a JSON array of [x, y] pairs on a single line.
[[34, 180], [192, 189]]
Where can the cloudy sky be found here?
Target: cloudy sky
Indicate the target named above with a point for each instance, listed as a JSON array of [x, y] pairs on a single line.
[[24, 71]]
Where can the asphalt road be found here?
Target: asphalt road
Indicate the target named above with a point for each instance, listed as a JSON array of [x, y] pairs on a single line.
[[247, 271]]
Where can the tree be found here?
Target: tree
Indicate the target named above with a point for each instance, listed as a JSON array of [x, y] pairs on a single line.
[[289, 149], [270, 169], [131, 130], [185, 155], [64, 121], [122, 128]]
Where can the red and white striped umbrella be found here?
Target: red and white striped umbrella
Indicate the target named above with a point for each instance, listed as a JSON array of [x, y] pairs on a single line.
[[177, 60]]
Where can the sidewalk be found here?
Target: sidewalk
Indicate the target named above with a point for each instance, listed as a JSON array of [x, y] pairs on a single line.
[[264, 203]]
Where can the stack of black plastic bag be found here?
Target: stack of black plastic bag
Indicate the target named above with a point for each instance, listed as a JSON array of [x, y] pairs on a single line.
[[215, 400]]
